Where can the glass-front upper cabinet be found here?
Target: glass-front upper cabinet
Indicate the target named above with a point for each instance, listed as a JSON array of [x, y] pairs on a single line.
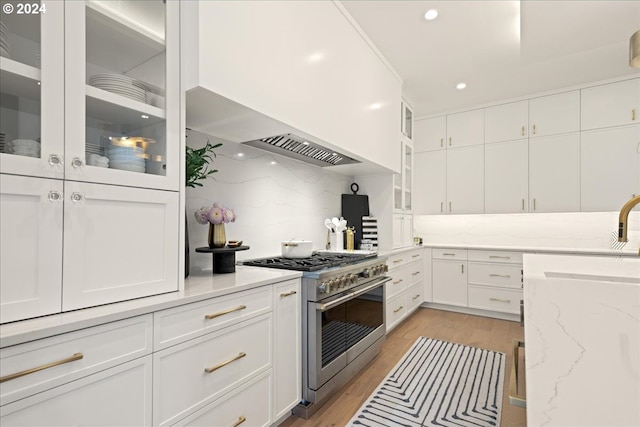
[[407, 175], [31, 88], [122, 90]]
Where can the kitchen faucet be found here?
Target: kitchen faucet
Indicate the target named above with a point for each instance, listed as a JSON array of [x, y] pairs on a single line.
[[624, 219]]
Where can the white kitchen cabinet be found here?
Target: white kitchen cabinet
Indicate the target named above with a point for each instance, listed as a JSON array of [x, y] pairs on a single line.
[[119, 396], [32, 90], [554, 174], [406, 125], [287, 359], [464, 129], [403, 182], [119, 243], [610, 164], [430, 178], [431, 134], [404, 292], [450, 276], [465, 180], [31, 246], [506, 177], [402, 230], [427, 281], [317, 89], [554, 114], [506, 122], [613, 104]]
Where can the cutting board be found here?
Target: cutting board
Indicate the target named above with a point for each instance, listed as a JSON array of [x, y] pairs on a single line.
[[354, 207]]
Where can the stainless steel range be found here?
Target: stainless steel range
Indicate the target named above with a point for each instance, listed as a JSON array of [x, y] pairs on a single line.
[[343, 319]]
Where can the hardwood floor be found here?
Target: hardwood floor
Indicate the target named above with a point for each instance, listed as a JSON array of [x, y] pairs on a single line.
[[483, 332]]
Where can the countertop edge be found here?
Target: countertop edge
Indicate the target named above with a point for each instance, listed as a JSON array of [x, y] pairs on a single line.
[[558, 250], [197, 288]]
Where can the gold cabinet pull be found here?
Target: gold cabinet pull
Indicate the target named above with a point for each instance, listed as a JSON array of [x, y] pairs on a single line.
[[76, 356], [448, 254], [240, 421], [449, 141], [633, 114], [441, 142], [398, 309], [223, 312], [415, 256], [397, 281], [417, 296], [415, 274], [522, 130], [395, 261], [288, 294], [441, 203], [534, 129], [534, 204], [462, 268], [500, 300], [449, 206], [522, 204], [499, 256], [225, 363], [500, 275]]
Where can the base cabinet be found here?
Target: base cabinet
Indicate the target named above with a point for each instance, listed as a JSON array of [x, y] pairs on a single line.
[[405, 291], [450, 276]]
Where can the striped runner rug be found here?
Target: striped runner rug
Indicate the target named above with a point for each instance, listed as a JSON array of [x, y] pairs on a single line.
[[438, 383]]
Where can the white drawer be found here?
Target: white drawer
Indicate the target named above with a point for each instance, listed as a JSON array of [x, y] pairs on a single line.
[[414, 272], [496, 256], [398, 282], [501, 300], [95, 349], [248, 402], [451, 254], [398, 260], [415, 296], [181, 384], [396, 310], [178, 324], [500, 275]]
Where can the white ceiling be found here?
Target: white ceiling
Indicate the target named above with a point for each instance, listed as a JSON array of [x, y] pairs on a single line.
[[501, 49]]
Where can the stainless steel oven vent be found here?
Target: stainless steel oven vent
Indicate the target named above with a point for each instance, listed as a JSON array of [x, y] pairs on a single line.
[[298, 148]]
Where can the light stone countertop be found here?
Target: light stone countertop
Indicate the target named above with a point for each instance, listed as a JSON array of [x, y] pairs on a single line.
[[626, 252], [582, 340], [198, 287]]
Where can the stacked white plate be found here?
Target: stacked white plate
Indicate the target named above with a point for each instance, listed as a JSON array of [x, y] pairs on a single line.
[[23, 147], [97, 160], [4, 41], [92, 148], [2, 142], [121, 85], [126, 158]]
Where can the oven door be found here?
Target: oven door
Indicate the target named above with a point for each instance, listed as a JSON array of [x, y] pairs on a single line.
[[342, 327]]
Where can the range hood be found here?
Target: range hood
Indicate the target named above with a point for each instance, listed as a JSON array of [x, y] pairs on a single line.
[[296, 147]]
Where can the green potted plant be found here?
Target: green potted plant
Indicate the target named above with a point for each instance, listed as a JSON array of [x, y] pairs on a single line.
[[197, 162]]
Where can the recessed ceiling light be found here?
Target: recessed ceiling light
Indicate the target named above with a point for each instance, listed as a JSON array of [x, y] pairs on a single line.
[[144, 116], [273, 162], [375, 106], [431, 15], [240, 154], [461, 85]]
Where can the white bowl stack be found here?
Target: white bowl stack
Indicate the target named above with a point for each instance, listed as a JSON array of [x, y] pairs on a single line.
[[126, 158], [121, 85], [97, 160], [23, 147], [4, 41]]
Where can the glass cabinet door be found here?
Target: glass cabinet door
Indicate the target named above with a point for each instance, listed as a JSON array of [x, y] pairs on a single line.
[[122, 92], [31, 89], [407, 165]]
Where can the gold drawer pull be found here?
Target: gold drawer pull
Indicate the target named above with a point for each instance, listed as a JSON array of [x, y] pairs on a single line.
[[633, 114], [500, 275], [415, 256], [500, 300], [448, 254], [417, 296], [397, 281], [522, 131], [499, 257], [415, 274], [76, 356], [395, 261], [225, 363], [288, 294], [240, 421], [398, 309], [223, 312]]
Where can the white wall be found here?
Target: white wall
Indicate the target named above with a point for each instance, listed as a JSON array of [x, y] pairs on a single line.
[[273, 202], [578, 230]]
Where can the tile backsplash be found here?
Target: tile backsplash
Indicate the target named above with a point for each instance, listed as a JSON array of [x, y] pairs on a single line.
[[275, 199]]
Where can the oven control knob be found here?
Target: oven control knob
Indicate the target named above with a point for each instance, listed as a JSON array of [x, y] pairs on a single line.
[[366, 273], [353, 278], [322, 288], [342, 281]]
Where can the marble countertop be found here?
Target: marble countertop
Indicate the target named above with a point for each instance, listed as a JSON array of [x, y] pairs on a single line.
[[626, 252], [582, 340], [198, 287]]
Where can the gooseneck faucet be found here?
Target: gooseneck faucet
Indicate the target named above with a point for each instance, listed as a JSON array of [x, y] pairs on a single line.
[[624, 219]]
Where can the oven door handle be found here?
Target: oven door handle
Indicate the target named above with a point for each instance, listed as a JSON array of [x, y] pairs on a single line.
[[368, 288], [350, 295]]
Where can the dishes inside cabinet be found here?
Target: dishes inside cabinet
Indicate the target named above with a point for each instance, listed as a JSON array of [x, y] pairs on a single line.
[[4, 41], [121, 85]]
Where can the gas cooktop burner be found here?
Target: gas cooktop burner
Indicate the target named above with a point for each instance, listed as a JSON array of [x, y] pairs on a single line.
[[317, 261]]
